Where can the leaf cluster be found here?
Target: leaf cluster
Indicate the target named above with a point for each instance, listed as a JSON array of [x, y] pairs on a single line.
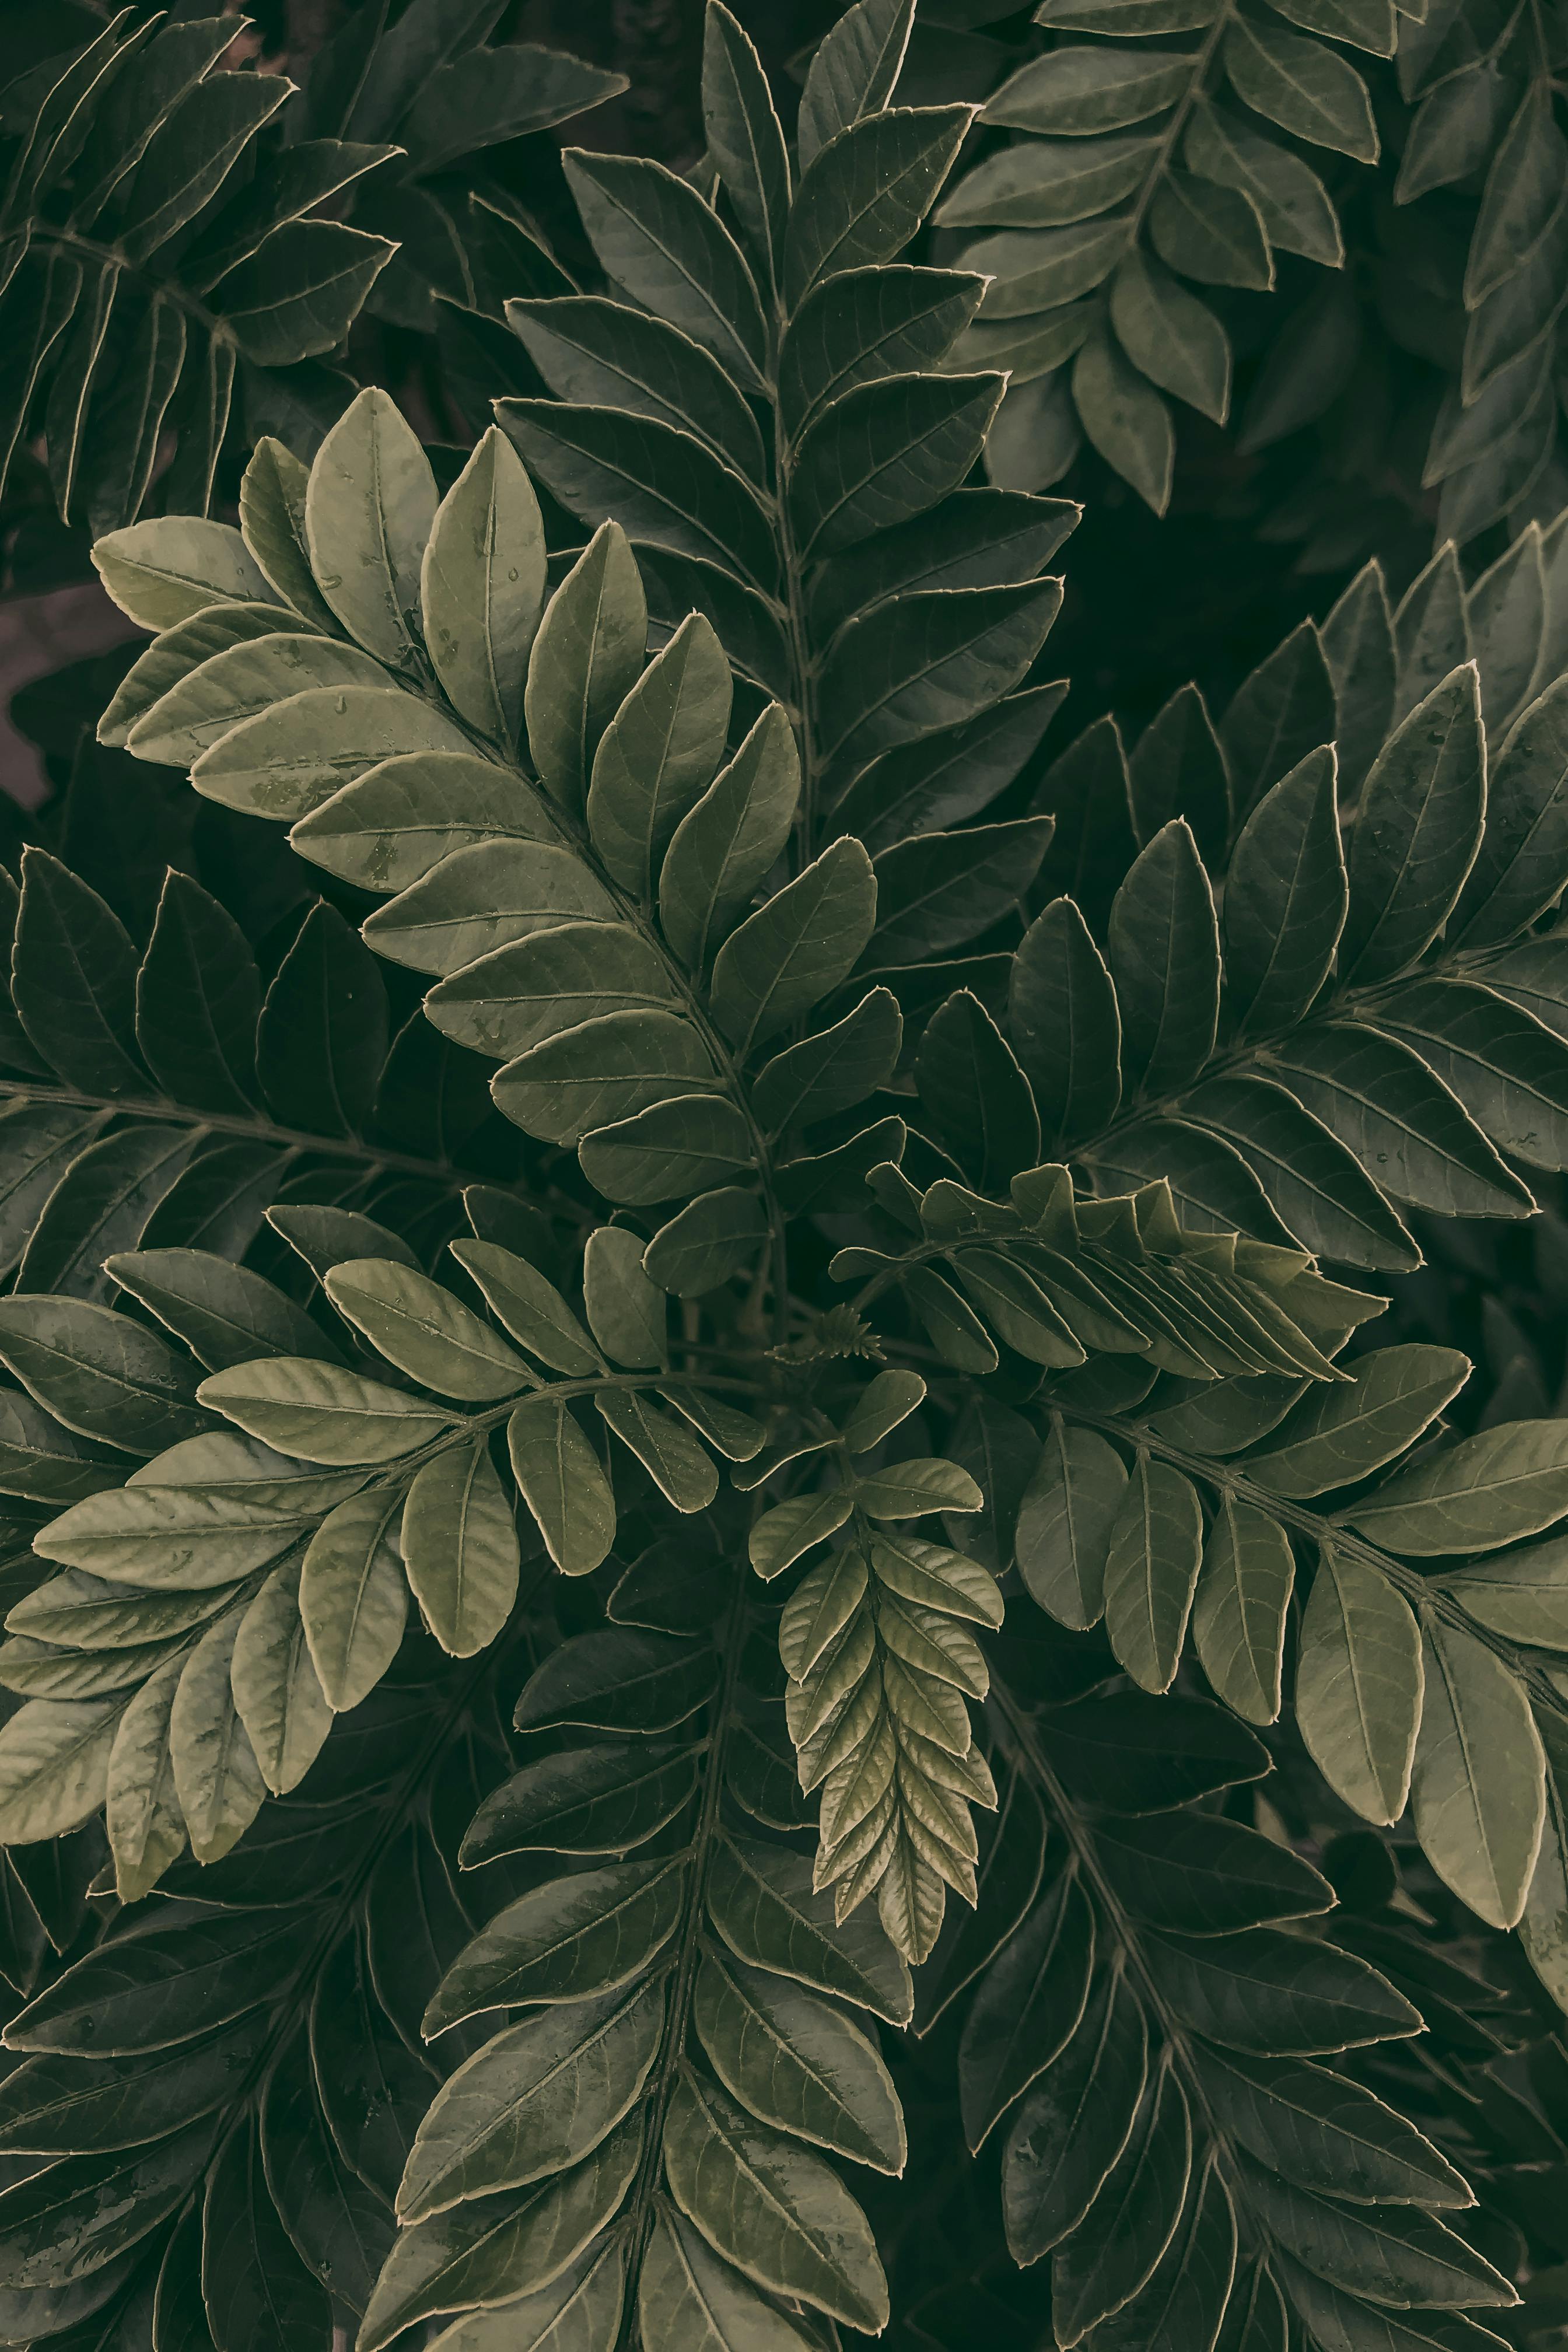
[[1083, 1770]]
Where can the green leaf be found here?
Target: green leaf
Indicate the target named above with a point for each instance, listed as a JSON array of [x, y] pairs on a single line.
[[1151, 1571], [244, 678], [1240, 1607], [627, 1311], [1357, 638], [1279, 1995], [862, 324], [532, 2101], [744, 137], [107, 1196], [1074, 2124], [137, 1994], [394, 824], [368, 514], [177, 651], [678, 1465], [1545, 1919], [854, 71], [788, 955], [911, 665], [784, 1534], [978, 1104], [600, 353], [319, 1411], [886, 453], [277, 1690], [727, 841], [142, 1811], [560, 1478], [1316, 1186], [217, 1779], [659, 755], [424, 1331], [688, 2296], [775, 2212], [1167, 333], [1516, 1593], [531, 1308], [1133, 2217], [272, 523], [1080, 90], [1035, 270], [226, 1314], [1508, 1481], [198, 999], [911, 1489], [285, 761], [78, 2215], [1065, 1024], [165, 571], [1201, 1875], [1338, 1436], [1305, 88], [1323, 2131], [480, 897], [1283, 710], [1422, 812], [103, 1375], [618, 1679], [664, 484], [554, 980], [1065, 1523], [477, 2254], [324, 1237], [1478, 1791], [54, 1757], [660, 243], [42, 1462], [1525, 843], [1358, 1685], [353, 1596], [797, 2064], [763, 1903], [184, 1538], [1214, 234], [941, 889], [1027, 2009], [461, 1549], [834, 1070], [1509, 1073], [482, 587], [574, 1937], [602, 1071], [594, 1800], [1386, 1104], [862, 197], [1403, 2254], [1285, 900], [1125, 418], [706, 1244], [1045, 185], [1136, 1757], [73, 978], [1164, 952]]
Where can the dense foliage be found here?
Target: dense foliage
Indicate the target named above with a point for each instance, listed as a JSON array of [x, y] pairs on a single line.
[[784, 1541]]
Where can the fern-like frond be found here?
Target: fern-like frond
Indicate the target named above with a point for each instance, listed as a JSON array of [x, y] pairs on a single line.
[[162, 250]]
